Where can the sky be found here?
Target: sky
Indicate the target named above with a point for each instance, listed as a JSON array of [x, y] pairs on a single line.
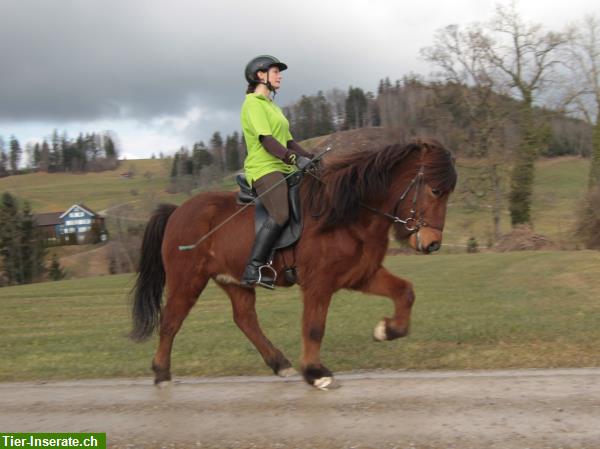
[[167, 73]]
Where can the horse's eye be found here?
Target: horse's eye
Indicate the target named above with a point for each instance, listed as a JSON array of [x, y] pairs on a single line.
[[436, 192]]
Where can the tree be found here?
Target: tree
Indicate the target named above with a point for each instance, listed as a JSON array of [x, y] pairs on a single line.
[[584, 92], [356, 108], [201, 156], [37, 155], [21, 247], [44, 156], [232, 152], [524, 57], [56, 272], [9, 239], [3, 159], [584, 61], [31, 247], [55, 153], [324, 117], [461, 58], [15, 153], [216, 148]]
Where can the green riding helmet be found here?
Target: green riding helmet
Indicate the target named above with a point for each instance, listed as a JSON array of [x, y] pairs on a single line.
[[261, 63]]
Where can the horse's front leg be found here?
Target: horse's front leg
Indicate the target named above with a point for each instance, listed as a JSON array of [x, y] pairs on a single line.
[[384, 283], [316, 305]]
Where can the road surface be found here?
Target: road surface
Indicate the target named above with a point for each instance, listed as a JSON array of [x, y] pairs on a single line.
[[521, 409]]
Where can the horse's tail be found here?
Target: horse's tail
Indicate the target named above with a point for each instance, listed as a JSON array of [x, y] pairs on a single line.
[[150, 281]]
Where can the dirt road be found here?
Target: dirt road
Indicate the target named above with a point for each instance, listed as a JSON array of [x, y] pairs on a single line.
[[468, 409]]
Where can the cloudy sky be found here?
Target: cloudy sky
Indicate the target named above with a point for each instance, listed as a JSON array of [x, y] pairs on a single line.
[[166, 73]]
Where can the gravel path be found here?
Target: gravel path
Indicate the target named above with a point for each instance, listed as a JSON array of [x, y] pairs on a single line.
[[460, 409]]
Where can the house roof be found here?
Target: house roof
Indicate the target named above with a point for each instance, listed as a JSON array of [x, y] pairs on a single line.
[[81, 206], [47, 219]]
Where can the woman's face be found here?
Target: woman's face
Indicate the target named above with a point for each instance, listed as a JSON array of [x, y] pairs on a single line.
[[274, 77]]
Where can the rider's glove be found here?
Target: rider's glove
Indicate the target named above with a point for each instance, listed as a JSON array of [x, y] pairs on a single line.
[[302, 162]]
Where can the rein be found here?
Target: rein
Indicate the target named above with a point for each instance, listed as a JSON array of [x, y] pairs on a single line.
[[412, 223]]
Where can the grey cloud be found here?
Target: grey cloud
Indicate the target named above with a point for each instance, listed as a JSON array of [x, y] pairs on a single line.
[[78, 60], [89, 59]]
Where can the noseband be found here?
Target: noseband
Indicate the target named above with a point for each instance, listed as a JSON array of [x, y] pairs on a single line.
[[413, 223]]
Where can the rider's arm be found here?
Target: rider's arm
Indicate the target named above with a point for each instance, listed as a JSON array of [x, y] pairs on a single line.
[[276, 149]]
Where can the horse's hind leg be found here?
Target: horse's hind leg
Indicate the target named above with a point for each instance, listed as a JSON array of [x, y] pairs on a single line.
[[243, 302], [180, 299]]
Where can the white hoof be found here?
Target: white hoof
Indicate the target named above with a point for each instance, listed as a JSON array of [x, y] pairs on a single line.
[[323, 383], [379, 332], [287, 372], [164, 384]]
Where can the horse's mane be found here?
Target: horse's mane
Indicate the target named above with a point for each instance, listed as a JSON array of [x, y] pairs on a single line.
[[347, 179]]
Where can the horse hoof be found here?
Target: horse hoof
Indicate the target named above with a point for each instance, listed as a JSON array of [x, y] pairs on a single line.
[[164, 384], [379, 333], [287, 372], [326, 383]]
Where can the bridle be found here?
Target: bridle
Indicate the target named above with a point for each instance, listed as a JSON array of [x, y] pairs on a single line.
[[415, 221]]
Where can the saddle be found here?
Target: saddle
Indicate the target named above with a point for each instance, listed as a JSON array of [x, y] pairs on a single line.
[[293, 229]]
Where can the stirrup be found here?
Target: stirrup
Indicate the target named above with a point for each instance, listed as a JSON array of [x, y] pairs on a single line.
[[260, 275]]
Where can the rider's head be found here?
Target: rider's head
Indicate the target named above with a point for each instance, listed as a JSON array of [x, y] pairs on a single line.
[[264, 70]]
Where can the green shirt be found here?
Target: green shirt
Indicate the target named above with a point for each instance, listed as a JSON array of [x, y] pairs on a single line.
[[262, 117]]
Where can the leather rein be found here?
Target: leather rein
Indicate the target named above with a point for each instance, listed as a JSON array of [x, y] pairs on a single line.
[[412, 223]]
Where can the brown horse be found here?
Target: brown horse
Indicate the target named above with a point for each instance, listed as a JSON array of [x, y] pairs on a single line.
[[348, 211]]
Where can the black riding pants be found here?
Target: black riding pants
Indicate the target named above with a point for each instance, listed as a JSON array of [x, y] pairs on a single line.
[[276, 201]]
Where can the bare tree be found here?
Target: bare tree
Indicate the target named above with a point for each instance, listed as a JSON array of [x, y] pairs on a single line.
[[583, 98], [584, 102], [461, 57], [524, 56]]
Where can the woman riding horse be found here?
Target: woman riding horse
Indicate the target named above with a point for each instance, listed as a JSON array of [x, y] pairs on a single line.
[[348, 213], [272, 154]]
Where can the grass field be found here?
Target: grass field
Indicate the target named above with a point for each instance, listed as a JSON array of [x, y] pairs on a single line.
[[526, 309]]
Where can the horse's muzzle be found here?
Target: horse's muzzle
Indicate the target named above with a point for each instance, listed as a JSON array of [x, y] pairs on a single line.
[[426, 240]]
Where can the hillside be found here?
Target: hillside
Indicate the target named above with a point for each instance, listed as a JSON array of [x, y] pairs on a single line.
[[559, 186]]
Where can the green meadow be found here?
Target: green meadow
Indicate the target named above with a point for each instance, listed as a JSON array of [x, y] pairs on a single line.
[[479, 311]]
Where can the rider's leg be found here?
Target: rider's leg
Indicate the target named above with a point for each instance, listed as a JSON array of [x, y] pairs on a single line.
[[276, 203]]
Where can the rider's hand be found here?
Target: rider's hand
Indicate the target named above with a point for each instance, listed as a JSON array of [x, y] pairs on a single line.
[[302, 162]]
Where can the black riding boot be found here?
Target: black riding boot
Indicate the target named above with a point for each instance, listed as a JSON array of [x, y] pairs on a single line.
[[261, 252]]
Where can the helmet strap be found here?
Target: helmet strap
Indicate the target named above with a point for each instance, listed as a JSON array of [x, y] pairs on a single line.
[[269, 85]]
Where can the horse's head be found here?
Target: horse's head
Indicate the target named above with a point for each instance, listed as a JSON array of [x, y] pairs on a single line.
[[408, 183], [421, 186]]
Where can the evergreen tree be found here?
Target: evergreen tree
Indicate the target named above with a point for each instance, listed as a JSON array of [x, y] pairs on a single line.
[[201, 157], [44, 156], [67, 151], [175, 167], [232, 152], [56, 272], [3, 160], [54, 157], [356, 108], [304, 118], [21, 247], [37, 155], [216, 148], [10, 239], [110, 149], [15, 154], [324, 123], [31, 247]]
